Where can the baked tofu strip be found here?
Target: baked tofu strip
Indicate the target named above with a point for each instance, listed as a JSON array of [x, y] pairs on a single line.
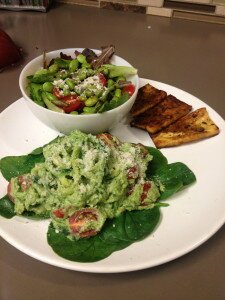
[[195, 126], [162, 115], [147, 97]]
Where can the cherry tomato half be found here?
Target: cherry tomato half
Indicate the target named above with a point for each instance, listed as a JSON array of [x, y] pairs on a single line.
[[80, 218], [129, 89], [59, 213], [9, 192], [24, 182], [132, 173], [74, 103], [146, 188], [102, 79]]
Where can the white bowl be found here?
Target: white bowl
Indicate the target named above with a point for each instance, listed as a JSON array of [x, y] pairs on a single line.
[[64, 123]]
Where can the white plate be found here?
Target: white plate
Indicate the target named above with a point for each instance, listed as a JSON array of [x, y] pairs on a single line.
[[193, 216]]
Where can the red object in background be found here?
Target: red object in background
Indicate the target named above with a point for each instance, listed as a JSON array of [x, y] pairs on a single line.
[[9, 52]]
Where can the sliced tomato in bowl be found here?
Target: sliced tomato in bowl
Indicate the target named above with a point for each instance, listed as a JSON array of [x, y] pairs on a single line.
[[130, 88], [86, 222], [73, 103]]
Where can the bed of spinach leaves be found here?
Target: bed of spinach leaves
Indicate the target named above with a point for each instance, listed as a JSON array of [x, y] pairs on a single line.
[[116, 234]]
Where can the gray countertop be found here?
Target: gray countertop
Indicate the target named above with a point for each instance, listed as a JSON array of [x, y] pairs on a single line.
[[187, 54]]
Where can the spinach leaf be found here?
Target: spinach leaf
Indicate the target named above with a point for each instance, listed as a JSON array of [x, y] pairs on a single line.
[[13, 166], [116, 234], [173, 177], [6, 208], [159, 161]]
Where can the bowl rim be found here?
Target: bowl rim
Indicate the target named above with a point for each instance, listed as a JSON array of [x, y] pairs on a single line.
[[44, 109]]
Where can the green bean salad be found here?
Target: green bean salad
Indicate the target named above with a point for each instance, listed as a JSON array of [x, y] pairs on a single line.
[[76, 86]]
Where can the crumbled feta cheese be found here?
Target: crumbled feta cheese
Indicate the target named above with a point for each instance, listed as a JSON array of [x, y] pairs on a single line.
[[58, 82], [93, 80]]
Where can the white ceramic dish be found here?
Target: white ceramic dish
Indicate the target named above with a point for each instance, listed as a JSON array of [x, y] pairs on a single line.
[[64, 123], [193, 216]]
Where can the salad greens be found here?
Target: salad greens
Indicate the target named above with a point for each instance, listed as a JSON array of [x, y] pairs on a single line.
[[85, 84], [117, 233]]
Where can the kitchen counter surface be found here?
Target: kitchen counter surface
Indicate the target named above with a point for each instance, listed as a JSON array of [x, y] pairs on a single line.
[[187, 54]]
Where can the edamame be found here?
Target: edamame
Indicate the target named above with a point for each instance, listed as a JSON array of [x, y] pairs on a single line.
[[71, 85]]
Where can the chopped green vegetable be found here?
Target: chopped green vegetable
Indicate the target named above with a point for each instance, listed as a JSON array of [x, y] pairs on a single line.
[[116, 71], [36, 93], [49, 104]]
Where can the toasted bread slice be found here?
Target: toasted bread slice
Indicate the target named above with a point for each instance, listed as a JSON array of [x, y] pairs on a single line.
[[162, 115], [194, 126], [147, 97]]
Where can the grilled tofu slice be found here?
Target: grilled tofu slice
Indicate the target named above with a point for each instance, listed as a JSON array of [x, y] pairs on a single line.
[[147, 97], [194, 126], [162, 115]]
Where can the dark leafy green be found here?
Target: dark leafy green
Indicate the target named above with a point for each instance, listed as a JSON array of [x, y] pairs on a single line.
[[117, 234], [42, 78], [6, 208], [173, 177], [62, 63], [36, 93], [31, 215], [13, 166], [159, 161]]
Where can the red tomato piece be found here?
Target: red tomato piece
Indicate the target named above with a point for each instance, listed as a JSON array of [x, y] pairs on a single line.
[[80, 218], [9, 192], [130, 190], [59, 213], [132, 172], [146, 188], [129, 89], [73, 104], [56, 92], [24, 182], [102, 79]]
